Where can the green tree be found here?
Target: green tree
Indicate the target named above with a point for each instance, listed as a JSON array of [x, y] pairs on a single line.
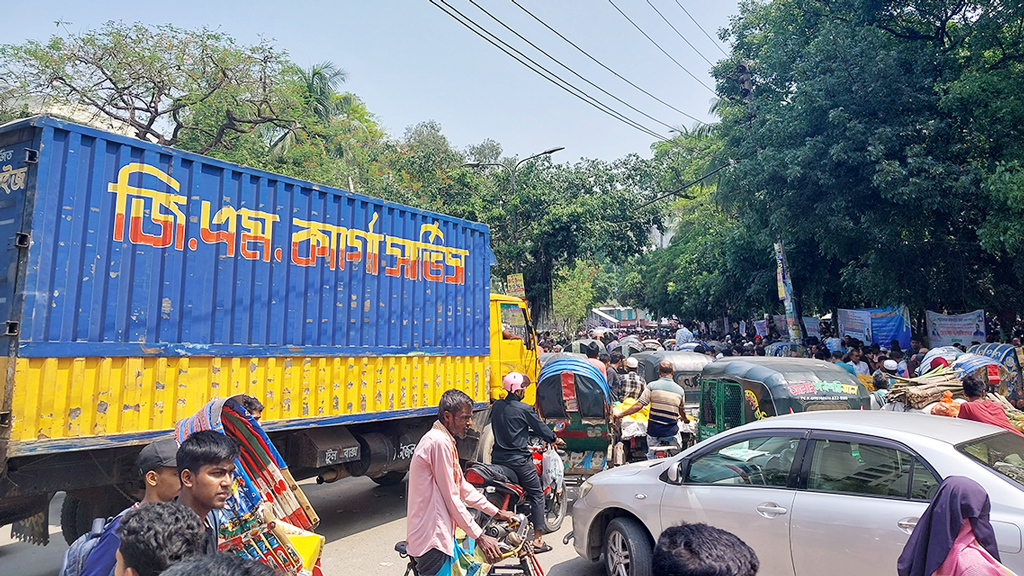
[[193, 88], [574, 295]]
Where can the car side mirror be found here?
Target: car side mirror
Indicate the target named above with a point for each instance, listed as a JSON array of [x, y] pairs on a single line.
[[674, 473]]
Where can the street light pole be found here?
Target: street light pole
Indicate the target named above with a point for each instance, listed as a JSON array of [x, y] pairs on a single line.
[[512, 187]]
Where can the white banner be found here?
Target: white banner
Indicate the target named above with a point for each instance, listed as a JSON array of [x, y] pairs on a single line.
[[743, 328], [762, 328], [946, 330], [856, 323]]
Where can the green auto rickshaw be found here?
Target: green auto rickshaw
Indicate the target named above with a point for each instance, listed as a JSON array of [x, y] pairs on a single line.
[[734, 391]]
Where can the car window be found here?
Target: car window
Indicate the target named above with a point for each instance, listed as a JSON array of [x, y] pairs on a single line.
[[1003, 452], [757, 461], [869, 470]]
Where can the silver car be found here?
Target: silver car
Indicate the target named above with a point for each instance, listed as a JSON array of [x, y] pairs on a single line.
[[830, 492]]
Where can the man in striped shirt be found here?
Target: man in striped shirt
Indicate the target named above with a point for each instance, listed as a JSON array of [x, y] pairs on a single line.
[[666, 400]]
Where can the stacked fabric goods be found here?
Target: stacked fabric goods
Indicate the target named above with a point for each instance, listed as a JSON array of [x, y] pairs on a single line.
[[269, 519]]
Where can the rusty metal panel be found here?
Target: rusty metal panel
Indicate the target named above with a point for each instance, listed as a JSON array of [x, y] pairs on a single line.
[[140, 250], [60, 399]]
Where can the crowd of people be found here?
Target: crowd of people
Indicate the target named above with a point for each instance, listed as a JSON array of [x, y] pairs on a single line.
[[173, 530]]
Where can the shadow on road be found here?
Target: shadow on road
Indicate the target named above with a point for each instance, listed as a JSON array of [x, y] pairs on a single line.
[[353, 505]]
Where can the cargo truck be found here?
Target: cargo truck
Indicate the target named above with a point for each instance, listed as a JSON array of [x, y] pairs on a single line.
[[137, 282]]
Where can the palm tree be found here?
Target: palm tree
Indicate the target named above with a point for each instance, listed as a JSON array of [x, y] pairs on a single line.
[[319, 84]]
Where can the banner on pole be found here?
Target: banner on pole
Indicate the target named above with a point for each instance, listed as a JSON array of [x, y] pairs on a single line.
[[762, 328], [743, 328], [855, 323], [949, 329], [813, 327], [514, 286]]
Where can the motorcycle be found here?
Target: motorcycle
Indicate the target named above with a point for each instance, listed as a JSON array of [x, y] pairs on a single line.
[[501, 487], [513, 541]]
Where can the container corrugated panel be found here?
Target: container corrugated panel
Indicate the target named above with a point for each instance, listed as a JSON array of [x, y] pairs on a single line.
[[156, 279], [143, 250]]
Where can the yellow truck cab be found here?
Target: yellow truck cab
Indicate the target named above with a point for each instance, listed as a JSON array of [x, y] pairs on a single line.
[[513, 344]]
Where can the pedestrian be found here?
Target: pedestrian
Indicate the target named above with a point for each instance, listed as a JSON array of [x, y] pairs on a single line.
[[666, 399], [979, 409], [593, 351], [438, 493], [155, 536], [206, 466], [610, 374], [219, 565], [881, 380], [684, 335], [953, 536], [837, 359], [513, 422], [614, 374], [853, 358], [631, 384], [159, 471], [702, 550]]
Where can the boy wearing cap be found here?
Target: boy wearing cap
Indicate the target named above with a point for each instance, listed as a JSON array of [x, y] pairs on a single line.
[[160, 477]]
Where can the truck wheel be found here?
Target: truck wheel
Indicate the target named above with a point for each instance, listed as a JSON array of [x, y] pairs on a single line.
[[76, 515], [389, 479], [69, 526], [627, 549], [484, 445]]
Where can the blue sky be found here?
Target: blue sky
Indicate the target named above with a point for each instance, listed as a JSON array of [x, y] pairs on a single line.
[[410, 62]]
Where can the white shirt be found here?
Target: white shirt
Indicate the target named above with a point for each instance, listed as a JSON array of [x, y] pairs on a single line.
[[683, 336], [862, 368]]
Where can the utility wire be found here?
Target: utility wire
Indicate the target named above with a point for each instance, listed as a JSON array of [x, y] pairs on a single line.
[[685, 186], [535, 47], [699, 81], [599, 63], [715, 42], [546, 74], [678, 33]]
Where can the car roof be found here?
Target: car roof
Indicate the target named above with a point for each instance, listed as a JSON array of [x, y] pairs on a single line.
[[895, 425]]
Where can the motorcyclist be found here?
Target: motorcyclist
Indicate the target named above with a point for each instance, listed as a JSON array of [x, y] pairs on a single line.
[[512, 420]]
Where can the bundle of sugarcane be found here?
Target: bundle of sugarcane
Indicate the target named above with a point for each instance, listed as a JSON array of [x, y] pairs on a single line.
[[1016, 417], [923, 390]]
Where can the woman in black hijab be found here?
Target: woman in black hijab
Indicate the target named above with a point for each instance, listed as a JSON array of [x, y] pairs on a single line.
[[954, 533]]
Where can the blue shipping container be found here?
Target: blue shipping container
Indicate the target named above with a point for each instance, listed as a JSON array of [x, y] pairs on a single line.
[[141, 250]]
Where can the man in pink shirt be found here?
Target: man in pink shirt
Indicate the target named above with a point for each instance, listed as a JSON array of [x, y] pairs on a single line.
[[438, 493]]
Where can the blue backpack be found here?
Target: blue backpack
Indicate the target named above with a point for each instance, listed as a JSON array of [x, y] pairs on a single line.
[[79, 551]]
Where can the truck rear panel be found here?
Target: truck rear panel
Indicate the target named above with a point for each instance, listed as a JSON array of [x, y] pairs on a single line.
[[142, 281]]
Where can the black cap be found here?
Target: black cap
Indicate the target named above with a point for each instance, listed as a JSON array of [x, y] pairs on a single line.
[[157, 454]]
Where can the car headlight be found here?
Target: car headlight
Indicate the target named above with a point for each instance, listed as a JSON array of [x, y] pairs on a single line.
[[585, 488]]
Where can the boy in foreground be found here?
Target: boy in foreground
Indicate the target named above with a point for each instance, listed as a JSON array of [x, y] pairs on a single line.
[[206, 466], [156, 536]]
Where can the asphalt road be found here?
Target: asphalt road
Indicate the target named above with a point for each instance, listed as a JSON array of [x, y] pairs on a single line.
[[361, 521]]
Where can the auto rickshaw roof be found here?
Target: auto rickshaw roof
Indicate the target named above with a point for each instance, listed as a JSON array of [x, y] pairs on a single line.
[[779, 372], [682, 360]]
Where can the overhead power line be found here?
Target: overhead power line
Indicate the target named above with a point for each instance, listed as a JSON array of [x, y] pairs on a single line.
[[713, 41], [683, 68], [556, 61], [601, 64], [678, 33], [543, 72]]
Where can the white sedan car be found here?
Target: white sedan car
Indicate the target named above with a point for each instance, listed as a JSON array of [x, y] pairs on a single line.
[[829, 492]]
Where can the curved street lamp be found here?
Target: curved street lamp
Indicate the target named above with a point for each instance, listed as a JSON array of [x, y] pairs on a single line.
[[512, 187]]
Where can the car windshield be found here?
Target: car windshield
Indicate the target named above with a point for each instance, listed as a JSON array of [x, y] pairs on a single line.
[[1003, 452]]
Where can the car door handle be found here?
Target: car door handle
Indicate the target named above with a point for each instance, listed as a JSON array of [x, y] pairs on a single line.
[[907, 524], [770, 510]]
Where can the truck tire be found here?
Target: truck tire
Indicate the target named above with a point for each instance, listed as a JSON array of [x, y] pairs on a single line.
[[76, 515], [390, 479], [69, 519], [484, 445], [627, 549]]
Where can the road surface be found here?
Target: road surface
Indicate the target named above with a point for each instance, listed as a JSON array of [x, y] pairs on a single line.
[[360, 520]]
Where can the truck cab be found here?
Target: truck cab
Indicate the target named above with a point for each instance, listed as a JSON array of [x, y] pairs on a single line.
[[513, 344]]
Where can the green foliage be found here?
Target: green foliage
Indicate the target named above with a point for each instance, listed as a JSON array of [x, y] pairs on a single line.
[[868, 142], [574, 295]]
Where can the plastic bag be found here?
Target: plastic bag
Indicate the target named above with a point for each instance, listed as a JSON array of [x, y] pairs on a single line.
[[552, 469], [946, 406]]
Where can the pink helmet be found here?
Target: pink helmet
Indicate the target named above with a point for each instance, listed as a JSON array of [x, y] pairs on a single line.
[[515, 381]]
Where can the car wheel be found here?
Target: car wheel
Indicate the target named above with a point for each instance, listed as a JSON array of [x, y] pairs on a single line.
[[627, 549]]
